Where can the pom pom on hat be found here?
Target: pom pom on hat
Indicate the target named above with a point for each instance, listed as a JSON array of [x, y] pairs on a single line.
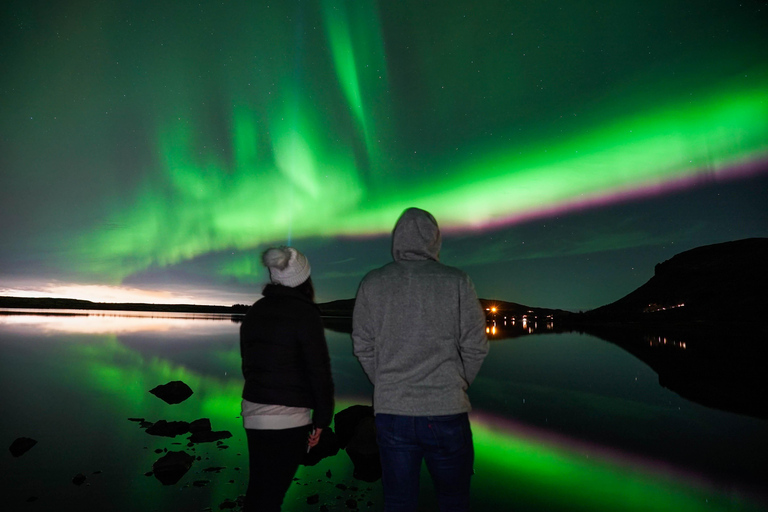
[[286, 265]]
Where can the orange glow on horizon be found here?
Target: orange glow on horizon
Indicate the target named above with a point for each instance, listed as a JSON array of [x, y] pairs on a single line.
[[113, 294]]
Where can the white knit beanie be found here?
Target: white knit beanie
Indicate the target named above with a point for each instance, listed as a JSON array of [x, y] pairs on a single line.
[[286, 265]]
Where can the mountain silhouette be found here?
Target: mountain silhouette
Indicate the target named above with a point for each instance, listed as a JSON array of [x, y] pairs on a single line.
[[702, 285], [698, 324]]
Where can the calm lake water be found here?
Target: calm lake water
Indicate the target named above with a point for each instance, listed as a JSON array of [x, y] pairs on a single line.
[[561, 422]]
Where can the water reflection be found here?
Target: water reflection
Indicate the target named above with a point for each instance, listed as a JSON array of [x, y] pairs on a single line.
[[551, 414], [720, 368], [502, 325], [100, 322]]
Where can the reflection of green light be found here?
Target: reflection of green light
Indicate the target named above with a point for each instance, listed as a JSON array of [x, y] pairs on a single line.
[[524, 474], [513, 472]]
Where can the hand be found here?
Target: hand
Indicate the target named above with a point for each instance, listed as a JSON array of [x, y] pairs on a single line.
[[314, 438]]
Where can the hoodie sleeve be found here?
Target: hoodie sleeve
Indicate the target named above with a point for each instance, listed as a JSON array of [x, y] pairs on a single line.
[[473, 345], [362, 334]]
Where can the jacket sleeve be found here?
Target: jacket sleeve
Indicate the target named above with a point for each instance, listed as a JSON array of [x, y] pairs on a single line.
[[363, 337], [473, 344], [317, 362]]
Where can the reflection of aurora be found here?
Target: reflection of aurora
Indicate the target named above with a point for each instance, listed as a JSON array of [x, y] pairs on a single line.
[[515, 466], [511, 468], [555, 476]]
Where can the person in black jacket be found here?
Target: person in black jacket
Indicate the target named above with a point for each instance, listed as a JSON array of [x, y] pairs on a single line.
[[288, 391]]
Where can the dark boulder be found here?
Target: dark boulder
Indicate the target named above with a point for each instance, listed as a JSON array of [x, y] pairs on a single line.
[[21, 445], [201, 425], [363, 451], [357, 434], [209, 436], [168, 428], [169, 468], [346, 422], [174, 392]]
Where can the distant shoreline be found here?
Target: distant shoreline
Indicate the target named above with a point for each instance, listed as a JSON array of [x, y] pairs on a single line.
[[56, 303], [341, 308]]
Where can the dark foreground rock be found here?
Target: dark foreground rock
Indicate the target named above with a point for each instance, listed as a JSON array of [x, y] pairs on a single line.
[[21, 445], [346, 422], [174, 392], [357, 434], [209, 436], [169, 468], [201, 425], [168, 428], [363, 451]]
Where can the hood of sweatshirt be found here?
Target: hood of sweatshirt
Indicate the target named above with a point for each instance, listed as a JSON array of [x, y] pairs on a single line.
[[416, 236]]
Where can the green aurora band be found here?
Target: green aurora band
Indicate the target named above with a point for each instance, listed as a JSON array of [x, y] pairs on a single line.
[[214, 130], [308, 186]]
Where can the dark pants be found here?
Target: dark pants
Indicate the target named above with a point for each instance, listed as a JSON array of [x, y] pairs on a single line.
[[274, 457], [444, 442]]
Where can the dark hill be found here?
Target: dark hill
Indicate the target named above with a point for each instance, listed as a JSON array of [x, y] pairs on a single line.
[[698, 324], [703, 285]]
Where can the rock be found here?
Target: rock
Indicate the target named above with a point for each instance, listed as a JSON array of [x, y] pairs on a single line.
[[313, 499], [169, 468], [168, 428], [21, 445], [346, 422], [209, 436], [174, 392], [356, 429], [363, 451], [201, 425], [227, 504]]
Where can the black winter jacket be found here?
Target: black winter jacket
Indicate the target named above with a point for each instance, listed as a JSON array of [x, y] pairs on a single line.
[[285, 355]]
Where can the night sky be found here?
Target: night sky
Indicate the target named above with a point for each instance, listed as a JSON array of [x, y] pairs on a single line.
[[150, 151]]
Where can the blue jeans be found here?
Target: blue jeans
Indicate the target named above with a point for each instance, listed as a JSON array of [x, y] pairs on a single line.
[[444, 442]]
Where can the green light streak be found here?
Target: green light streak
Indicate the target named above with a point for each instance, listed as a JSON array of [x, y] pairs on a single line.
[[354, 33], [647, 150], [526, 474], [304, 183]]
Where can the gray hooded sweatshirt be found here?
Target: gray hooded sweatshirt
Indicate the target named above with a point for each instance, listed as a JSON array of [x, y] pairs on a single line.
[[418, 327]]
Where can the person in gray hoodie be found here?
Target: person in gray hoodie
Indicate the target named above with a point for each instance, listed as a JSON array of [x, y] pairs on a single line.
[[419, 333]]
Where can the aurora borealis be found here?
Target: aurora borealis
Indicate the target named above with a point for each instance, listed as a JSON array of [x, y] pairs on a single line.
[[565, 148]]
